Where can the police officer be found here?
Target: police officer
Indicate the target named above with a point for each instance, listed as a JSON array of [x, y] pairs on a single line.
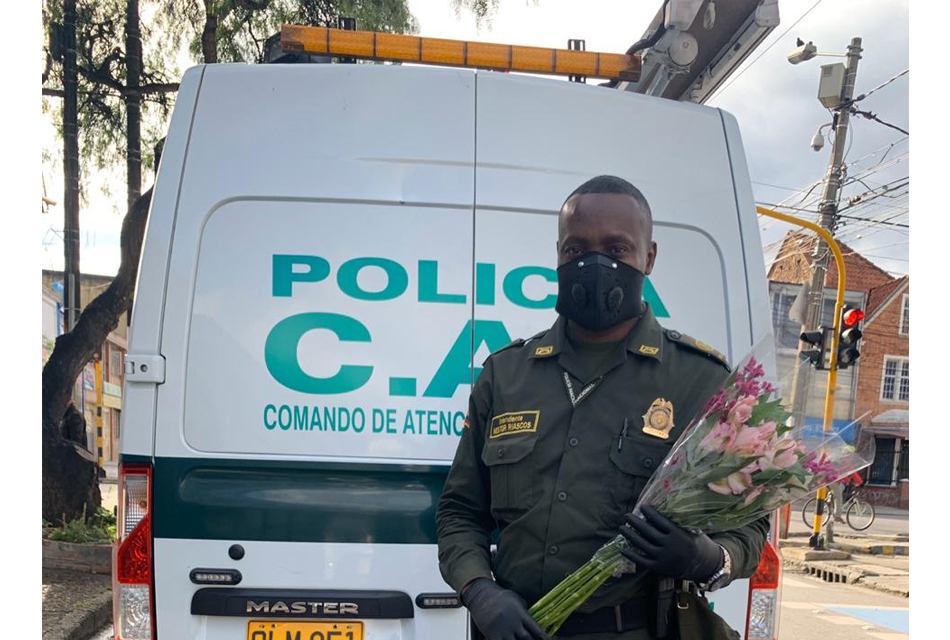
[[563, 432]]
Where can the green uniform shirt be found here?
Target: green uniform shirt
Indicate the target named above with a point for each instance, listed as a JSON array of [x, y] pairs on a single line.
[[555, 478]]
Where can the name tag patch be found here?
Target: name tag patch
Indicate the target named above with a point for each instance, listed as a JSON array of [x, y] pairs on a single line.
[[514, 422]]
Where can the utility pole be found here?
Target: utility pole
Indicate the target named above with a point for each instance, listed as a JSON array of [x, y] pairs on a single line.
[[71, 288], [827, 212]]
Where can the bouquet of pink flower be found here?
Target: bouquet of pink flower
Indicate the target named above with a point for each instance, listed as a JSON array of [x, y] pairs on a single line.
[[735, 463]]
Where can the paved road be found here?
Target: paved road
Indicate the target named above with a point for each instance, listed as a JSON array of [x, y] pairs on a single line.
[[814, 609], [105, 634]]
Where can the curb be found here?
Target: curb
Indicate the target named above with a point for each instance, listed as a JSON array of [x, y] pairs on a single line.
[[844, 574], [873, 549], [86, 558], [80, 625], [828, 572]]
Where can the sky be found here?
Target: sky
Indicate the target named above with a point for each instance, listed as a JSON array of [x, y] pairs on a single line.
[[774, 102]]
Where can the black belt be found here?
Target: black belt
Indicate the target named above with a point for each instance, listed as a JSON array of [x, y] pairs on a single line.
[[627, 616]]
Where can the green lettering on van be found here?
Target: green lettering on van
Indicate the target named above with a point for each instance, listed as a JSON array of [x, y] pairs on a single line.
[[513, 286], [280, 353], [651, 296], [429, 285], [484, 283], [284, 275], [397, 280], [457, 369]]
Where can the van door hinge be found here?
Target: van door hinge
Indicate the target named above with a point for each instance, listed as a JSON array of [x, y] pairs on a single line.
[[145, 368]]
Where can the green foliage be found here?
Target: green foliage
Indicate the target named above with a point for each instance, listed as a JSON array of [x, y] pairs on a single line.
[[483, 10], [101, 62], [770, 411], [243, 26], [99, 528]]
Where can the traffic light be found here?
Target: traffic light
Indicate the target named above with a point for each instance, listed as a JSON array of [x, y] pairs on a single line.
[[849, 337], [820, 340]]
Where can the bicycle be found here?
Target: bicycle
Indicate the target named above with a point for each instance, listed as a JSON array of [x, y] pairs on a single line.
[[859, 514]]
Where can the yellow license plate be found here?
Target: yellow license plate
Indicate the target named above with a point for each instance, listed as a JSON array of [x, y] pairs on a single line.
[[280, 630]]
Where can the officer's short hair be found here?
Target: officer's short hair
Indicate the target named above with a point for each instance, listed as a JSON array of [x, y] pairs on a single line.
[[613, 184]]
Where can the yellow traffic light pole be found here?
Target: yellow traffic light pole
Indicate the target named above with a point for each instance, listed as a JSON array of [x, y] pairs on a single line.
[[833, 365]]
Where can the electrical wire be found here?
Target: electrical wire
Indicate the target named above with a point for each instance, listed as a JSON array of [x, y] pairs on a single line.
[[877, 88], [774, 42], [871, 116]]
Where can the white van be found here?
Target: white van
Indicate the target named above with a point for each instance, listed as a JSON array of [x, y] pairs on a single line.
[[332, 252]]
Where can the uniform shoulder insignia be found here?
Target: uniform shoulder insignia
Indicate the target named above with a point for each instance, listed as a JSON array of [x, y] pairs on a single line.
[[697, 345], [537, 335], [510, 345]]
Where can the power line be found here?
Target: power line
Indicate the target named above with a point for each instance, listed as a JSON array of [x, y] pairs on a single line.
[[782, 206], [893, 224], [871, 116], [880, 86], [774, 42]]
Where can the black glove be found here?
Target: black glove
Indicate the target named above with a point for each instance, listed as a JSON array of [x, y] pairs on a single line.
[[667, 549], [499, 613]]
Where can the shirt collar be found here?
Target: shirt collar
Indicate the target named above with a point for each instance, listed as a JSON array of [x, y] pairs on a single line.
[[644, 340]]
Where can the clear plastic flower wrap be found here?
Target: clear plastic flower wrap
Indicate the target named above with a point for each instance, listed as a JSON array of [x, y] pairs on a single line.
[[739, 460]]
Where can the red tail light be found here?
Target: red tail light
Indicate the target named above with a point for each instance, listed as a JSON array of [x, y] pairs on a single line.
[[762, 620], [133, 589]]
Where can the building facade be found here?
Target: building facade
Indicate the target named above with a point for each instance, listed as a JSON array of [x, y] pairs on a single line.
[[872, 397], [86, 396], [884, 391]]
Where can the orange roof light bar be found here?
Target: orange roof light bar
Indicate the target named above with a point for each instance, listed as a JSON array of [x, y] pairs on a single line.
[[458, 53]]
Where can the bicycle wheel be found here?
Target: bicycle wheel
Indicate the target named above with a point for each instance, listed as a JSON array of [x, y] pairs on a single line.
[[808, 513], [860, 515]]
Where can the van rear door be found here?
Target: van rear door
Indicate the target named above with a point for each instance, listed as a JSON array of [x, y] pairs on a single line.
[[317, 360]]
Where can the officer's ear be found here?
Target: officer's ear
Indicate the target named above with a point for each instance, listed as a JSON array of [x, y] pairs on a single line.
[[651, 258]]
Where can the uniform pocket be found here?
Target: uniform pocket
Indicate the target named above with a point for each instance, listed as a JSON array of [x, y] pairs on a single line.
[[513, 486], [634, 464]]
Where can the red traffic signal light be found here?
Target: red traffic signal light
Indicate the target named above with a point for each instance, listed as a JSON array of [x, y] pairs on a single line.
[[849, 336], [851, 316]]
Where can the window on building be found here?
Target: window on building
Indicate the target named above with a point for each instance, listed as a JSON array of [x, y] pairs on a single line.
[[786, 330], [895, 385], [903, 467], [905, 316], [881, 470], [115, 363]]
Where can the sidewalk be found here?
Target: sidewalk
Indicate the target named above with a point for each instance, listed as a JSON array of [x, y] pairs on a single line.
[[888, 573], [75, 605]]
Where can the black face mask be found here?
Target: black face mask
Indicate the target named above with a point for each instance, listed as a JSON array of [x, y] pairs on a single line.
[[598, 292]]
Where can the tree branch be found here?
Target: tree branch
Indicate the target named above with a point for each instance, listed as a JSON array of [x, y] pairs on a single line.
[[55, 93], [158, 87], [250, 5]]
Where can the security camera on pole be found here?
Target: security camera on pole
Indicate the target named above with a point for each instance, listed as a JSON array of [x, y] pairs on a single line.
[[836, 88]]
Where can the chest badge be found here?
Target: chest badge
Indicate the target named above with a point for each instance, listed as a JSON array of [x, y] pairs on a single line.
[[658, 420]]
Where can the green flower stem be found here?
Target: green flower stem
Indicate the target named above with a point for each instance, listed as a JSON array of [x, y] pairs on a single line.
[[578, 577], [578, 598], [567, 586], [552, 610]]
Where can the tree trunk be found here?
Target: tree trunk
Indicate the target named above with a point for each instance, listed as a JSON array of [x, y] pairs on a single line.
[[72, 302], [133, 57], [70, 481], [209, 39]]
